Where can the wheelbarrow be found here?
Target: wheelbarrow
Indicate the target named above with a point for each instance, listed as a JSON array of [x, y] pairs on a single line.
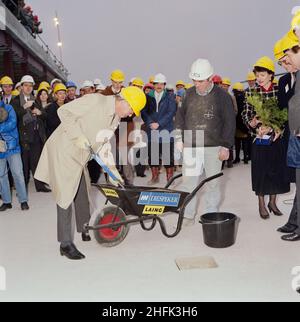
[[131, 205]]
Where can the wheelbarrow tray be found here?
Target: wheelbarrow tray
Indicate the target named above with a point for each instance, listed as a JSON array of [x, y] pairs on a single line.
[[141, 201]]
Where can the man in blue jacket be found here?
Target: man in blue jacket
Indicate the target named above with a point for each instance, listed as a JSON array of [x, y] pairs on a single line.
[[158, 116], [10, 152]]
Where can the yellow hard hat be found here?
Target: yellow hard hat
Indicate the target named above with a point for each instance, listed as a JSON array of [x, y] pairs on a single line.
[[151, 79], [238, 86], [45, 84], [15, 93], [251, 77], [278, 52], [267, 63], [59, 87], [6, 81], [117, 76], [226, 81], [135, 97], [138, 82], [180, 83], [43, 88], [289, 41]]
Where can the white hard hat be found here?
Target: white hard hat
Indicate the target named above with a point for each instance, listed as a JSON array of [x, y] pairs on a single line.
[[18, 85], [160, 79], [170, 87], [27, 79], [87, 84], [55, 80], [97, 81], [201, 70]]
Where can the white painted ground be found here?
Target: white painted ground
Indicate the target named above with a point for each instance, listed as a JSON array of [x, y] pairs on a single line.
[[142, 268]]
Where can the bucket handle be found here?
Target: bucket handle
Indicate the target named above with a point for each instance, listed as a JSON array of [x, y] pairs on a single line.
[[215, 223]]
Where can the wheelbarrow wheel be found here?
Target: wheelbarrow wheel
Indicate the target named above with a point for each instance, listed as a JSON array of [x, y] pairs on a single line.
[[111, 237]]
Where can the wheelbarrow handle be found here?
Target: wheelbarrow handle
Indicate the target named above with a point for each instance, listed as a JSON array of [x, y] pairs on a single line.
[[172, 180]]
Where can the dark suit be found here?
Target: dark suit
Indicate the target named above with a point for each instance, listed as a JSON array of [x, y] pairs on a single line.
[[286, 90]]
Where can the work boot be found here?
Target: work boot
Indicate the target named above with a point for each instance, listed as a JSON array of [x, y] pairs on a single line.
[[155, 176], [170, 173]]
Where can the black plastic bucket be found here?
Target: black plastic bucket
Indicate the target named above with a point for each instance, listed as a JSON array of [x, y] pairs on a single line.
[[219, 229]]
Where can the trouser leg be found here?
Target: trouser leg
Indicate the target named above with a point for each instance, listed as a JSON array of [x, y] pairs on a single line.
[[212, 166], [82, 206], [35, 153], [26, 165], [65, 233], [298, 200], [293, 216]]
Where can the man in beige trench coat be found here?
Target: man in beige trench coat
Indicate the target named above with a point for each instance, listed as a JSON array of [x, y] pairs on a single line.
[[66, 153]]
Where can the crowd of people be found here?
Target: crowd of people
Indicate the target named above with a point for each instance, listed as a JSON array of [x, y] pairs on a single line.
[[156, 125], [25, 15]]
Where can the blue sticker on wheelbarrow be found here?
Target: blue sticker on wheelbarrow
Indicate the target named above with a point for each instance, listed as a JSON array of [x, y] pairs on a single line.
[[159, 199]]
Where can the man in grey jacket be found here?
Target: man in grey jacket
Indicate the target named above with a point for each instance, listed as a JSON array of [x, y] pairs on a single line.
[[205, 131]]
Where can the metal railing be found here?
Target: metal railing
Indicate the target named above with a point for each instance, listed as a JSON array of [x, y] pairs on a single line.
[[44, 46]]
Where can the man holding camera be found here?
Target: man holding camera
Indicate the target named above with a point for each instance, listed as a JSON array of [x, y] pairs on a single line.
[[31, 130]]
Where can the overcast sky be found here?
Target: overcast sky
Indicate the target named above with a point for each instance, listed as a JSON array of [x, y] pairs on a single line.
[[146, 37]]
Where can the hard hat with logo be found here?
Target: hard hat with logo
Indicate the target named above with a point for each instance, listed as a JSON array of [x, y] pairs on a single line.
[[138, 82], [160, 79], [238, 87], [180, 83], [226, 81], [267, 63], [70, 84], [117, 76], [59, 87], [135, 97], [251, 77], [201, 70], [27, 79], [6, 81]]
